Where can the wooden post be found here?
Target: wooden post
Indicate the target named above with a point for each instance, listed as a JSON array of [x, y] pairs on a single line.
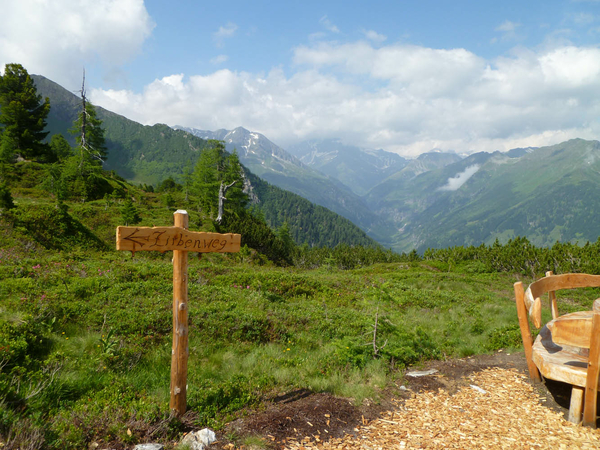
[[591, 386], [576, 404], [180, 350], [181, 241], [552, 298], [534, 374]]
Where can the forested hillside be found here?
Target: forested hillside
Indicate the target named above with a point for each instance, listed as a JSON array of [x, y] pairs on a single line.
[[148, 155]]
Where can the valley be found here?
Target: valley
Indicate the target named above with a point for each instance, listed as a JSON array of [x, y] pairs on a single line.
[[435, 200]]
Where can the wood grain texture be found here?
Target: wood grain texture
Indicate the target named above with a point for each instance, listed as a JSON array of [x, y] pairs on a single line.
[[591, 387], [576, 405], [551, 284], [525, 332], [180, 351], [573, 329], [560, 362], [552, 299], [162, 239]]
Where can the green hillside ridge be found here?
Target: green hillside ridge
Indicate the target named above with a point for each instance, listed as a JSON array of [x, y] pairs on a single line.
[[278, 167], [548, 195], [357, 168], [86, 331], [150, 154]]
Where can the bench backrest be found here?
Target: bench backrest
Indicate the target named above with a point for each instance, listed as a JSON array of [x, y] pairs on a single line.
[[551, 284]]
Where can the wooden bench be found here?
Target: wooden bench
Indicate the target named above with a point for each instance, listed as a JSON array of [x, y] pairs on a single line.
[[567, 348]]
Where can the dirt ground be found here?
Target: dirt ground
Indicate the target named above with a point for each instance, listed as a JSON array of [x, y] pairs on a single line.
[[321, 416]]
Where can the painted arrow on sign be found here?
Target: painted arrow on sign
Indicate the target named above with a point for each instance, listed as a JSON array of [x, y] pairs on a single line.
[[162, 239], [133, 238]]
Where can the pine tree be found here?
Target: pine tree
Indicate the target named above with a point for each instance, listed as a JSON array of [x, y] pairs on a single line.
[[218, 177], [6, 200], [232, 171], [206, 178], [22, 116], [60, 147], [89, 133], [286, 238], [129, 213]]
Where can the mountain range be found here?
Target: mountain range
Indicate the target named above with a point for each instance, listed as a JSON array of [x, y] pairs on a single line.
[[442, 199], [435, 200], [150, 154]]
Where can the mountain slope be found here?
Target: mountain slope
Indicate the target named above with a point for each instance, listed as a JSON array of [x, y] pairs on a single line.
[[357, 168], [278, 167], [149, 154], [139, 153], [547, 194]]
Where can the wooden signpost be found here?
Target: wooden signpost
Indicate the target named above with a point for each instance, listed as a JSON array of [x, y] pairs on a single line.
[[181, 241]]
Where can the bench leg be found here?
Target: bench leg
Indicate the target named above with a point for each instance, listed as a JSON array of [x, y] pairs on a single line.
[[576, 404]]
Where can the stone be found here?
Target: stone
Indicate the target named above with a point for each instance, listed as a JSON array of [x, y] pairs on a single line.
[[148, 447], [421, 373], [199, 440]]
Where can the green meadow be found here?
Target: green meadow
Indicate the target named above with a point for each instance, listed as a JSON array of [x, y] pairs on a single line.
[[86, 331]]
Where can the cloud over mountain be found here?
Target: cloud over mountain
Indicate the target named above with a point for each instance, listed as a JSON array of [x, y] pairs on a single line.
[[454, 183], [403, 98]]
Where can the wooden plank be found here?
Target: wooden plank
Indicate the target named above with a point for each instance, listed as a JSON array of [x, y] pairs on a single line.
[[525, 332], [591, 384], [573, 329], [554, 283], [180, 351], [564, 281], [552, 299], [560, 363], [576, 404], [137, 239]]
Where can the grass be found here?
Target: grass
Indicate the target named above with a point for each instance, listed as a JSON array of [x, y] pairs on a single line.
[[85, 335], [104, 321]]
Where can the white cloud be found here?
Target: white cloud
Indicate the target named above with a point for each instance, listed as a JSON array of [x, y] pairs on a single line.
[[220, 59], [508, 30], [374, 36], [224, 32], [454, 183], [507, 26], [57, 38], [415, 98], [328, 24], [583, 18]]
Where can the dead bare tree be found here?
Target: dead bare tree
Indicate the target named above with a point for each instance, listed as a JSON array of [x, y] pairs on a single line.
[[84, 144], [222, 191], [376, 349]]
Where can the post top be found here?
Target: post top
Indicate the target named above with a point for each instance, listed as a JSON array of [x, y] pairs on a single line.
[[181, 211]]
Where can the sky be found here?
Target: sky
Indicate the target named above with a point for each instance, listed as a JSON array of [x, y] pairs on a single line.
[[403, 76]]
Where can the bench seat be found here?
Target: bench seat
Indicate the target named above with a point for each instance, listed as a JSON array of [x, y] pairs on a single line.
[[561, 362]]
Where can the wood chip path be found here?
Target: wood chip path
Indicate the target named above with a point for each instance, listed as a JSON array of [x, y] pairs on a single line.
[[499, 410]]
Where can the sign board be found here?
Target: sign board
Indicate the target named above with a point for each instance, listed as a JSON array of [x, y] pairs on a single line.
[[179, 239], [162, 239]]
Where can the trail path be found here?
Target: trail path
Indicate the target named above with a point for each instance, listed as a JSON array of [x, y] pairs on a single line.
[[482, 402]]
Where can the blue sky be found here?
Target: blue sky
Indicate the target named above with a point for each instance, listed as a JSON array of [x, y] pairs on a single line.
[[403, 76]]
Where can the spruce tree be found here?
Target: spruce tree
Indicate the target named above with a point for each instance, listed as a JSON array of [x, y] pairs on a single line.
[[232, 171], [22, 116], [206, 180], [215, 171], [129, 213], [60, 147]]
